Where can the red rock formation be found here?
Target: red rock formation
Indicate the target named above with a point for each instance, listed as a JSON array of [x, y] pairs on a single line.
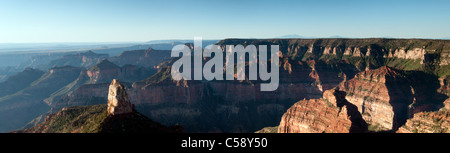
[[103, 72], [228, 97], [169, 91], [106, 71], [295, 83], [331, 114], [381, 95], [118, 102]]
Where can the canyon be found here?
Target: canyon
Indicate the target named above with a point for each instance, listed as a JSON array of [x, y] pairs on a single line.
[[385, 82]]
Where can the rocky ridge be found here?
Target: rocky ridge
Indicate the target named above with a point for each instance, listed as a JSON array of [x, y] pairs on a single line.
[[146, 58], [411, 49], [84, 59], [381, 95], [387, 97], [330, 114]]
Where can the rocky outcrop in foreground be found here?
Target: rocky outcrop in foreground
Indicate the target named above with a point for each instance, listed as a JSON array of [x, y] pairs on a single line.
[[118, 102], [387, 97], [331, 114], [381, 95]]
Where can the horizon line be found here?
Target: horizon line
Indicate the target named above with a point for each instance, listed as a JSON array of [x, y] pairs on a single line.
[[177, 39]]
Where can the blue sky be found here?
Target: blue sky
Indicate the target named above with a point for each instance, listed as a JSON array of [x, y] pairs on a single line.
[[28, 21]]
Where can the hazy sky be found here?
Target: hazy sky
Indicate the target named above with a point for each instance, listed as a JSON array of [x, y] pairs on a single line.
[[143, 20]]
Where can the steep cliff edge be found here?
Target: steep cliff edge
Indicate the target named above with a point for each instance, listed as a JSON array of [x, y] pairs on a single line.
[[405, 54], [330, 114], [381, 95], [386, 97], [241, 104]]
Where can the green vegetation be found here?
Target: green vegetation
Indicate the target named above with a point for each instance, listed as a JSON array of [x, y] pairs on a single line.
[[95, 119], [268, 130], [404, 64], [443, 70], [81, 119], [328, 57]]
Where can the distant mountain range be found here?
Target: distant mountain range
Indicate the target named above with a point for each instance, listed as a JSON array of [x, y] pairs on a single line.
[[304, 37], [15, 58]]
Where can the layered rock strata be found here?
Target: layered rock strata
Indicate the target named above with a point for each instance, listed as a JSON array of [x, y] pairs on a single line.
[[118, 102], [330, 114]]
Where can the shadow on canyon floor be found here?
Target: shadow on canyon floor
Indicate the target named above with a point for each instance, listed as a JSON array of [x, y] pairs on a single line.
[[415, 93]]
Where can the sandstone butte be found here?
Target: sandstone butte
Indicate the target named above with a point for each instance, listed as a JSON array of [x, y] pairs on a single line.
[[387, 97], [118, 102], [330, 114], [381, 95]]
